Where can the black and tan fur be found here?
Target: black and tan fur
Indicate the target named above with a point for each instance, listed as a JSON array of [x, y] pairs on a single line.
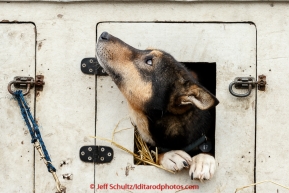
[[168, 106]]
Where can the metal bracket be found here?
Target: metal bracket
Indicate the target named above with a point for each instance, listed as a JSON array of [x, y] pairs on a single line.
[[96, 154], [22, 82], [247, 83], [92, 66], [261, 82], [39, 82]]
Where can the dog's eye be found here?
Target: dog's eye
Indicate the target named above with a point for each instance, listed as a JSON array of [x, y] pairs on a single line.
[[149, 62]]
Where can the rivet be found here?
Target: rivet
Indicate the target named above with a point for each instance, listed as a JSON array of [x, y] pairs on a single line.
[[90, 70], [89, 158], [82, 153], [102, 149], [89, 149], [91, 61], [109, 154], [102, 158], [83, 65]]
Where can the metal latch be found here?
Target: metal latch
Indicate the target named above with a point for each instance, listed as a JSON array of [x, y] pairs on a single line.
[[96, 154], [92, 66], [22, 82], [247, 83]]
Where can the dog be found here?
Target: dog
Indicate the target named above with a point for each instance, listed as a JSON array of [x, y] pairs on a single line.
[[167, 104]]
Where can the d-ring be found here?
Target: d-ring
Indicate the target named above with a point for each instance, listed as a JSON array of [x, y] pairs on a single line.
[[12, 83], [237, 94]]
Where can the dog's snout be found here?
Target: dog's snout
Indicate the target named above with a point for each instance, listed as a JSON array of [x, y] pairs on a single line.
[[104, 36]]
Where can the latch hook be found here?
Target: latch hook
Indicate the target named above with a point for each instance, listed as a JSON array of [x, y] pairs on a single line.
[[242, 83], [247, 83], [26, 83]]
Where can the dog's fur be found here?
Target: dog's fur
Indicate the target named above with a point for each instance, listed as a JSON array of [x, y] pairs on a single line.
[[168, 106]]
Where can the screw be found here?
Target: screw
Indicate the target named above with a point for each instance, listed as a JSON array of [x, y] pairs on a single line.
[[89, 149], [82, 153], [109, 154], [102, 158], [91, 61], [83, 65], [89, 158], [102, 149], [90, 70]]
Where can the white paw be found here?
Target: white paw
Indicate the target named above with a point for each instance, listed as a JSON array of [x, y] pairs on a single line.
[[203, 167], [175, 160]]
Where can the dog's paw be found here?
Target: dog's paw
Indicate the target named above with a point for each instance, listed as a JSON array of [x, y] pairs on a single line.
[[175, 160], [203, 167]]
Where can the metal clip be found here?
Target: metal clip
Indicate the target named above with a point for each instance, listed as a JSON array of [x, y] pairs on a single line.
[[60, 188], [247, 83], [27, 83]]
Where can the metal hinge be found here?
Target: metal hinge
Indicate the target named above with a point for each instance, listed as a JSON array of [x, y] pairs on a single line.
[[247, 83], [96, 154], [22, 82], [92, 66]]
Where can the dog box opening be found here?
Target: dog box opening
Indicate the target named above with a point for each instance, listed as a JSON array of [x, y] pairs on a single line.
[[205, 74]]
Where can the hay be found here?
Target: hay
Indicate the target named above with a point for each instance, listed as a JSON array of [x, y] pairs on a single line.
[[255, 184], [143, 150], [144, 155]]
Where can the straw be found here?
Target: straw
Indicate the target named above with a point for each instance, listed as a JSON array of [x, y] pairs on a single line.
[[142, 159], [144, 154], [238, 189]]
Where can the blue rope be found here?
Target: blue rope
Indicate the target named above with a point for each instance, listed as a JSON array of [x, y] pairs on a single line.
[[35, 132]]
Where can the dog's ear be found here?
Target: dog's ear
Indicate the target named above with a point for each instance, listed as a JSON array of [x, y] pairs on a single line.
[[198, 96]]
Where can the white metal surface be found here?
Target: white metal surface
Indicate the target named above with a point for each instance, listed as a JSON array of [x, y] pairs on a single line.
[[17, 58], [233, 48], [272, 125], [66, 34], [65, 108]]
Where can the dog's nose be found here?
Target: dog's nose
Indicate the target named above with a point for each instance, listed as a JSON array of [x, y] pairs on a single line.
[[104, 36]]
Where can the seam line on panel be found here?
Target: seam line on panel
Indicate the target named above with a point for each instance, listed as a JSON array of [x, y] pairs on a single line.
[[256, 97], [95, 95], [182, 22], [35, 94], [95, 119]]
